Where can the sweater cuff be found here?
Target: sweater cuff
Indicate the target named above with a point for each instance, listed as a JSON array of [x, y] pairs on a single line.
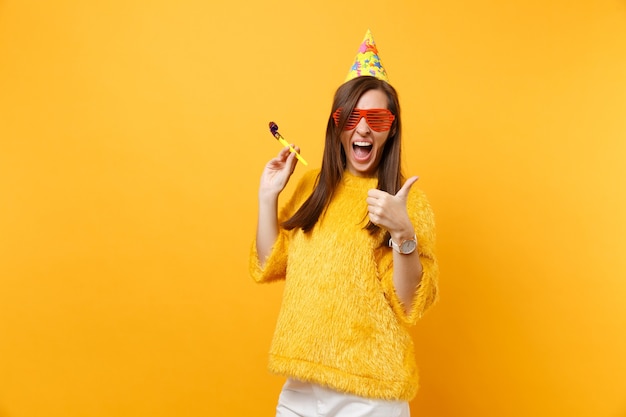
[[275, 265], [425, 294]]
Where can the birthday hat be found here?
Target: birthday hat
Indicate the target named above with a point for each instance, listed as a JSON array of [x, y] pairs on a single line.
[[367, 61]]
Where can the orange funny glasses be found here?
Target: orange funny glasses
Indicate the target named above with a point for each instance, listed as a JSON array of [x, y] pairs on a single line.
[[379, 120]]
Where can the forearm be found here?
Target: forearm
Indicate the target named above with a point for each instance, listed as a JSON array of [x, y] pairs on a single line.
[[273, 180], [267, 227], [407, 273]]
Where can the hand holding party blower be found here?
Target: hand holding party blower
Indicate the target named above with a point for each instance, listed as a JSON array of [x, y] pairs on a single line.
[[274, 130]]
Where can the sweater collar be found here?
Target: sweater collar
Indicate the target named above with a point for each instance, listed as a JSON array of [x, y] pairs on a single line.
[[351, 180]]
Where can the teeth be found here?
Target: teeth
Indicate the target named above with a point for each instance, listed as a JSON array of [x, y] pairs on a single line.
[[362, 144]]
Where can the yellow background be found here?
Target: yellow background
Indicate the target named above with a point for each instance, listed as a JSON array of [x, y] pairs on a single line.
[[132, 136]]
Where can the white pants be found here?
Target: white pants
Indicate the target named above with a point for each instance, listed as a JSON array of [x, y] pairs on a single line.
[[303, 399]]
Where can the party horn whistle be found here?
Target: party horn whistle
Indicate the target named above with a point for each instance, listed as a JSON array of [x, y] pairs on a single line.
[[274, 130]]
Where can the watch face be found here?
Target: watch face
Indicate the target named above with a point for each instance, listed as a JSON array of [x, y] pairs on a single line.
[[408, 246]]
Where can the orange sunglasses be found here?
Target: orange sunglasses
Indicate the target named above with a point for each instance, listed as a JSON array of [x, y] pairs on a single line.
[[379, 120]]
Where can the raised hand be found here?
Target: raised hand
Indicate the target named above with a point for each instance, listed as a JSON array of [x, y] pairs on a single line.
[[390, 212], [277, 172]]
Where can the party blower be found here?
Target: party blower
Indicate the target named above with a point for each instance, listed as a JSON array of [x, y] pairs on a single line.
[[274, 130]]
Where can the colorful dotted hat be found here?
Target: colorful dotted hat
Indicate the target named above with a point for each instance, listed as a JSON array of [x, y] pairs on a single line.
[[367, 61]]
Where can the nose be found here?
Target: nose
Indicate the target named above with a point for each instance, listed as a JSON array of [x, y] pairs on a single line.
[[362, 128]]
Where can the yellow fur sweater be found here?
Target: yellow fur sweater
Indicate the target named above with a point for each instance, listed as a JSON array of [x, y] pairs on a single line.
[[341, 324]]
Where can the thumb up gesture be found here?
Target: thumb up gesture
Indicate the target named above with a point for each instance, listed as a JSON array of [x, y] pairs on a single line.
[[389, 211]]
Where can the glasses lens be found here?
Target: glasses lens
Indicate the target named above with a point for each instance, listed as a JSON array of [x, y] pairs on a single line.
[[353, 119], [379, 120]]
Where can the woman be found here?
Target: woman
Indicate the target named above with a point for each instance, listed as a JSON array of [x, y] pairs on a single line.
[[355, 244]]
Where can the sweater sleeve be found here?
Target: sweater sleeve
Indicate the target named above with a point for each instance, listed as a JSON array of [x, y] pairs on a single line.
[[275, 266], [276, 262], [422, 217]]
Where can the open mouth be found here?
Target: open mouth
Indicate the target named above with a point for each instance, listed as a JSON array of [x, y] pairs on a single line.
[[362, 150]]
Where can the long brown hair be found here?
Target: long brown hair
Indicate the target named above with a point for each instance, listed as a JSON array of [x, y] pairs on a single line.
[[334, 160]]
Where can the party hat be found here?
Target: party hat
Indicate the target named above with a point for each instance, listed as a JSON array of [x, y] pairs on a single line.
[[367, 61]]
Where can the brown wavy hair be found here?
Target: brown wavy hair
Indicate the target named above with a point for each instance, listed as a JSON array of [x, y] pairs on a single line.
[[389, 173]]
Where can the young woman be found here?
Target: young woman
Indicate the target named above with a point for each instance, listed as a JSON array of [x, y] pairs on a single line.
[[355, 246]]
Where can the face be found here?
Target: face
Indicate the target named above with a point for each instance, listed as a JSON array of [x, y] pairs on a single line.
[[363, 145]]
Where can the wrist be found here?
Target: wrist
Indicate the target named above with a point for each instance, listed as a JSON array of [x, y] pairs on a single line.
[[268, 196], [399, 236]]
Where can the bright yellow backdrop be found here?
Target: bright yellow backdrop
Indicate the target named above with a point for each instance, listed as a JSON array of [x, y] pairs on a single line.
[[132, 136]]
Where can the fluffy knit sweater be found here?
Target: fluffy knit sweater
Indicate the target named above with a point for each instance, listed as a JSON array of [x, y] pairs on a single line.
[[341, 323]]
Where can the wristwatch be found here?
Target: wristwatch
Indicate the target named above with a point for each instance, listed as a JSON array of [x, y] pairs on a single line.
[[405, 247]]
